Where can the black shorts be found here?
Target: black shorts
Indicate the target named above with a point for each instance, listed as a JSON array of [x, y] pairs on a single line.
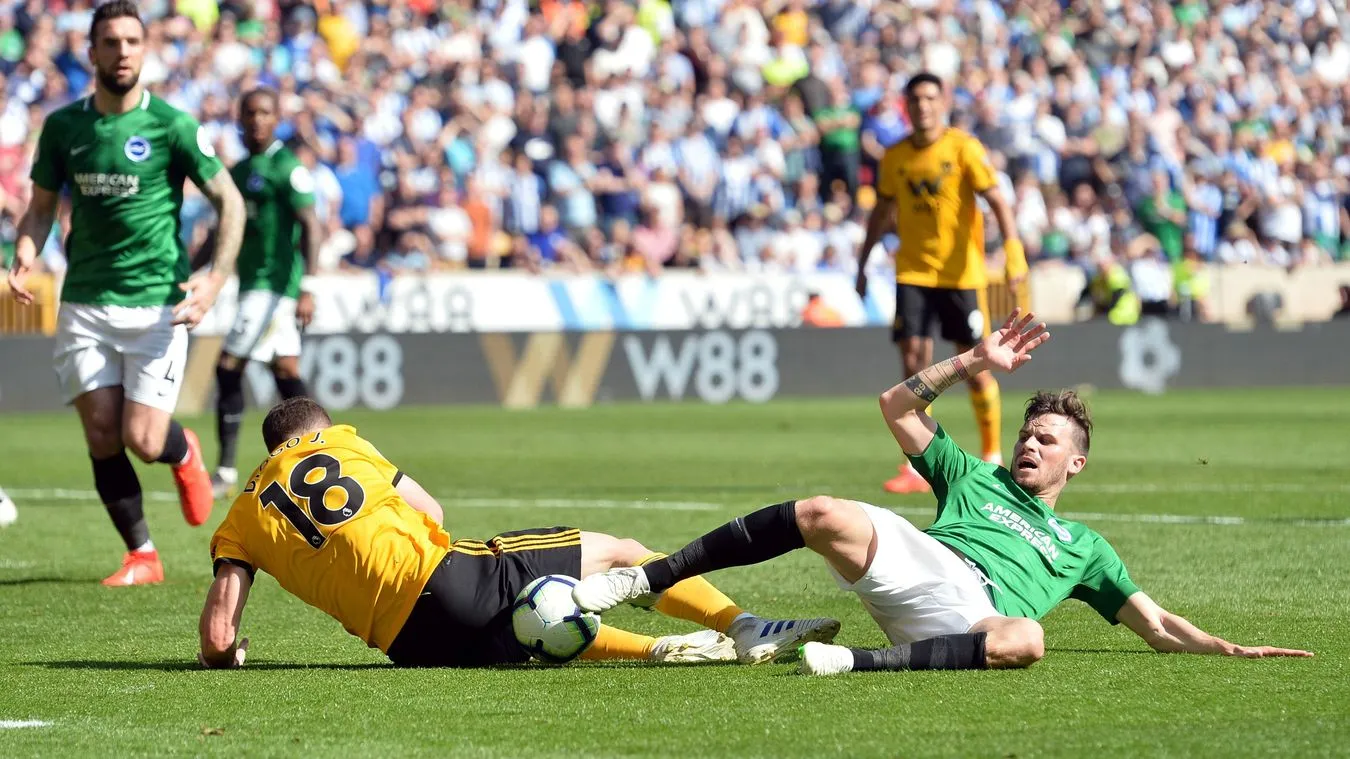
[[463, 618], [961, 314]]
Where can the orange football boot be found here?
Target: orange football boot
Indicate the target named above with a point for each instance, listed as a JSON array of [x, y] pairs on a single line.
[[138, 568], [195, 494], [908, 481]]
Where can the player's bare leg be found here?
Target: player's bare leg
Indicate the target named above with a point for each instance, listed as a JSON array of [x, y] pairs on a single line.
[[916, 353], [986, 402], [118, 487], [154, 436], [229, 417], [992, 643], [752, 639]]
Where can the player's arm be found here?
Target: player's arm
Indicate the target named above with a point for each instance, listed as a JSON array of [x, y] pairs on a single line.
[[219, 626], [1166, 632], [1013, 251], [203, 288], [34, 228], [1006, 350], [878, 224], [418, 498], [980, 173]]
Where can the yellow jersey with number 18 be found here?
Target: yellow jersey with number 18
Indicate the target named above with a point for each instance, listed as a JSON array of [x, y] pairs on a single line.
[[938, 219], [322, 516]]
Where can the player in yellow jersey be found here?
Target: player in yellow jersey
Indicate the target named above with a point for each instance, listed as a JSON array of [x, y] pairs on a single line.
[[927, 186], [344, 530]]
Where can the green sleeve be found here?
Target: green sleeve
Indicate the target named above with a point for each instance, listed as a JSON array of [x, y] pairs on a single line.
[[1106, 585], [299, 186], [193, 153], [49, 165], [943, 462]]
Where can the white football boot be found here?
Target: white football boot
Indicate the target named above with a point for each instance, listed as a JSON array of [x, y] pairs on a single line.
[[825, 659], [604, 590], [763, 640], [701, 646]]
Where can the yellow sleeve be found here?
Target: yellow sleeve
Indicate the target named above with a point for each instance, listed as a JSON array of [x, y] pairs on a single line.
[[227, 545], [888, 173], [976, 163]]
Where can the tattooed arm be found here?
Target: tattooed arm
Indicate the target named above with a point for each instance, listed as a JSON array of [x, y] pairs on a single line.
[[203, 288], [905, 405]]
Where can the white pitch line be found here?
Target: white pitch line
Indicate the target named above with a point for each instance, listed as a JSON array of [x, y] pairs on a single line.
[[58, 494], [15, 724]]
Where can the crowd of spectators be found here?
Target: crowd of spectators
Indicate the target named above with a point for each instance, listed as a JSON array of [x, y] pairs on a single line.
[[637, 135]]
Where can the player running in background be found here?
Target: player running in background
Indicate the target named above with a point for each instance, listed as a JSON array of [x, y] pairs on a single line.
[[127, 301], [282, 235], [966, 592], [927, 185], [341, 528]]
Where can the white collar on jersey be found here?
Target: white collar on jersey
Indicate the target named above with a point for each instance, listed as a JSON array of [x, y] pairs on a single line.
[[273, 148], [145, 101]]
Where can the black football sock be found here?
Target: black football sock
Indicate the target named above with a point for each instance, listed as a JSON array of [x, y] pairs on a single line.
[[965, 651], [120, 490], [760, 536], [229, 413], [291, 387], [175, 445]]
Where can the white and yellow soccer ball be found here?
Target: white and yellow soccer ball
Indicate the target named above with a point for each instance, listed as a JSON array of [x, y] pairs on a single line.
[[9, 513], [549, 624]]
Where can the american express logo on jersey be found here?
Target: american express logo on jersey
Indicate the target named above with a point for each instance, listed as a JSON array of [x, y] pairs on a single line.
[[1041, 541], [115, 185]]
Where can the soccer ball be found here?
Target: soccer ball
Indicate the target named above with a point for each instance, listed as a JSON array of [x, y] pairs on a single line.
[[8, 511], [548, 623]]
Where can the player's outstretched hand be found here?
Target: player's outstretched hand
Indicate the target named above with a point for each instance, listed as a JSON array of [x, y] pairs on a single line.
[[1010, 347], [18, 276], [1261, 652], [860, 285], [202, 289]]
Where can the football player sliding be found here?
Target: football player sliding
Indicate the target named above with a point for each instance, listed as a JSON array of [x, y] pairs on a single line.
[[967, 592], [347, 532]]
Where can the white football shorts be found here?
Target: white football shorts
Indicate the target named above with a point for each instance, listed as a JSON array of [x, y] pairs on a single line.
[[136, 347], [264, 327], [917, 588]]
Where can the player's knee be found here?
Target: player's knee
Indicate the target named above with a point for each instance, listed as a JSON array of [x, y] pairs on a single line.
[[627, 552], [143, 444], [228, 363], [1018, 644], [104, 440], [229, 383], [822, 517], [285, 371]]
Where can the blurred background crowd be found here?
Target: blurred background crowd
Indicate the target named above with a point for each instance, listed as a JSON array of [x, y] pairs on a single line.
[[639, 135]]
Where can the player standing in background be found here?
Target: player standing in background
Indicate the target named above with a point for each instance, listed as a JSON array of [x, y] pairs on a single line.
[[127, 301], [281, 245], [926, 185]]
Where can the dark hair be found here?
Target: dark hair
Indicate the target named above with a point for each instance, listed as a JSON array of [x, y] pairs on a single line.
[[292, 417], [923, 77], [1066, 403], [266, 92], [111, 10]]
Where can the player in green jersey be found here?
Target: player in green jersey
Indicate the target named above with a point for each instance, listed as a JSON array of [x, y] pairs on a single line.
[[281, 245], [127, 301], [966, 592]]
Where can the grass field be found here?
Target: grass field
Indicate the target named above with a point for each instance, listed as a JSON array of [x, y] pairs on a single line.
[[1229, 507]]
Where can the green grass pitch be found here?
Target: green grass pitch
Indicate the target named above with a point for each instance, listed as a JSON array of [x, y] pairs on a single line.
[[1229, 507]]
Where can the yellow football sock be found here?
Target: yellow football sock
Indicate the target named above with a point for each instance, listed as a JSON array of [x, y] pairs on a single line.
[[613, 643], [988, 405], [698, 601]]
